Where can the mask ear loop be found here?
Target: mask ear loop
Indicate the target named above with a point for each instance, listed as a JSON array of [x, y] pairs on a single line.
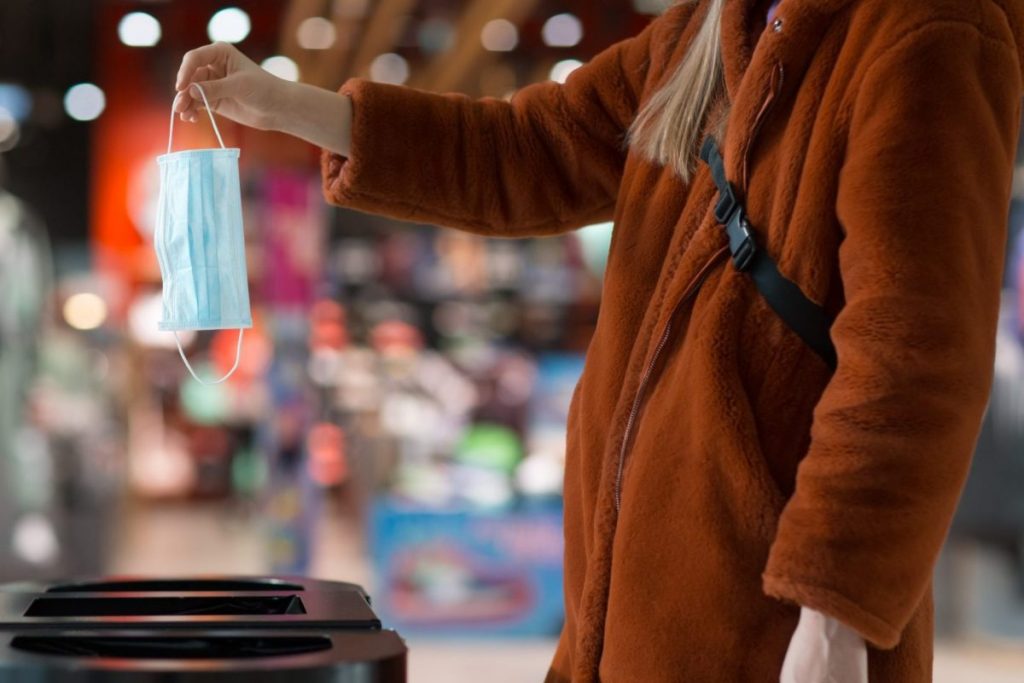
[[206, 103], [241, 332], [238, 358]]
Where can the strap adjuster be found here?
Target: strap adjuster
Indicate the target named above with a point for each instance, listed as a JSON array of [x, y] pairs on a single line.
[[726, 205]]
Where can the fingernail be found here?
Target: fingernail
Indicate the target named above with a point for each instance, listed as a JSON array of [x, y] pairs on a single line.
[[194, 91]]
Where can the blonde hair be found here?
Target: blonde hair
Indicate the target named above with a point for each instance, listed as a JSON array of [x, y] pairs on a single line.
[[668, 127]]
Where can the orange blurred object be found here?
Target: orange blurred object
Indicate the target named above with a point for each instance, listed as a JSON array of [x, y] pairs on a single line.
[[395, 336], [328, 464], [257, 352], [328, 329]]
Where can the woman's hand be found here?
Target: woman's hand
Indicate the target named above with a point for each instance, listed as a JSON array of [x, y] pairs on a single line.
[[241, 90], [234, 84], [824, 650]]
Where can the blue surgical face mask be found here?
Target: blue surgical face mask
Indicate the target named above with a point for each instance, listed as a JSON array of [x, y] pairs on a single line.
[[200, 242]]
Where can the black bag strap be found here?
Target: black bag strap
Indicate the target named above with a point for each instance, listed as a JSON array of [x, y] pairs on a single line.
[[805, 317]]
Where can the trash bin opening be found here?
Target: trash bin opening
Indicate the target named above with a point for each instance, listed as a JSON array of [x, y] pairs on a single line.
[[165, 606], [171, 647], [176, 586]]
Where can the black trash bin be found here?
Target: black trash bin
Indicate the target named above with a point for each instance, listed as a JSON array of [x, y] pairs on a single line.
[[258, 630]]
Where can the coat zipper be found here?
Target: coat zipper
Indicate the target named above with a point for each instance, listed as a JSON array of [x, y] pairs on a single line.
[[634, 413], [774, 89]]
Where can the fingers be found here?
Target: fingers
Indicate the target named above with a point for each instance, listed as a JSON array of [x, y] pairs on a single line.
[[188, 102], [215, 90], [214, 54], [185, 107], [201, 63], [185, 103]]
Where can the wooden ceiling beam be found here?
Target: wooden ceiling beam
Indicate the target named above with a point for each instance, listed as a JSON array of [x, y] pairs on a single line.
[[378, 37], [452, 69], [293, 15], [334, 63], [327, 68]]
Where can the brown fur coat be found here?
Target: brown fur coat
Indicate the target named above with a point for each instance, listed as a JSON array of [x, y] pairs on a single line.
[[874, 143]]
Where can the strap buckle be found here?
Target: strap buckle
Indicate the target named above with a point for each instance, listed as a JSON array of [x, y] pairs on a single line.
[[741, 241]]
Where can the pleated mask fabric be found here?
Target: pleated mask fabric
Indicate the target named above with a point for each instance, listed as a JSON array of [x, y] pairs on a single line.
[[200, 242]]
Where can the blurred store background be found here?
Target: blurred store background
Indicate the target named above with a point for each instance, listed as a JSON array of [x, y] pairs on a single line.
[[399, 413]]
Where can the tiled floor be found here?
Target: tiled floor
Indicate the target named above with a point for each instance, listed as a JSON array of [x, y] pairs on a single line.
[[180, 539]]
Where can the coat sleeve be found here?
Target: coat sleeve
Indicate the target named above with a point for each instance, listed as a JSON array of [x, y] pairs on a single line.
[[923, 201], [548, 161]]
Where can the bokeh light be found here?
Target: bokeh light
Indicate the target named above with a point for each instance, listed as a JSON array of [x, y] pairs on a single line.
[[316, 33], [562, 30], [389, 68], [85, 311], [10, 131], [138, 29], [435, 35], [34, 540], [282, 67], [16, 100], [561, 70], [499, 35], [84, 102], [143, 317], [230, 25]]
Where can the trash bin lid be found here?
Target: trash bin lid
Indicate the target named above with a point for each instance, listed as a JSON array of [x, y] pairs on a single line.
[[141, 655], [265, 609]]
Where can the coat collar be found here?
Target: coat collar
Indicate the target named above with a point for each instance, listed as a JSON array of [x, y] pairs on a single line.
[[760, 69], [803, 25]]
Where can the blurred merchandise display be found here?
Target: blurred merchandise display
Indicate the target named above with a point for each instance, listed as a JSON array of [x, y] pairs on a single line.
[[412, 372], [1016, 277], [992, 509], [989, 522], [59, 439], [465, 572], [389, 365]]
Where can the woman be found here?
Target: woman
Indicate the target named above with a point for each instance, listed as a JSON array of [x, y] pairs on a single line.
[[720, 475]]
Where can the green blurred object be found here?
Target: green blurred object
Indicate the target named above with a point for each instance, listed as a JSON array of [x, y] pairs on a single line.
[[205, 404], [595, 241], [248, 472], [490, 445]]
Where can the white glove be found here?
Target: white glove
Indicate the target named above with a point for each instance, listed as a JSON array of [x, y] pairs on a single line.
[[823, 650]]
